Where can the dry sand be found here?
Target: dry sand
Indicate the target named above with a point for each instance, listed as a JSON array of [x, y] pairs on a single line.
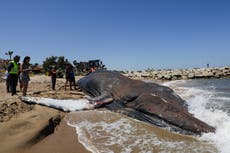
[[28, 128]]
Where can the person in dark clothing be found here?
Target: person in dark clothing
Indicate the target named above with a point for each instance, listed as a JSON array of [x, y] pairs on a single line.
[[13, 70], [72, 78], [19, 79], [67, 73], [53, 74]]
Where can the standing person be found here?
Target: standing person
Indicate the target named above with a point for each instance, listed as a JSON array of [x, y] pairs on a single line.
[[13, 70], [20, 82], [24, 75], [67, 71], [53, 74], [72, 78]]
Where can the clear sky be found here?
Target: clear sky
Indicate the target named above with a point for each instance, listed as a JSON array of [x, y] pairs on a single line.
[[124, 34]]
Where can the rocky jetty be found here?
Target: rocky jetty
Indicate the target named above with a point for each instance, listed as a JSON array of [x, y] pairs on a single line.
[[178, 74]]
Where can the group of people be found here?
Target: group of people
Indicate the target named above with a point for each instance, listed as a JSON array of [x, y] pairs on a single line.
[[69, 76], [17, 72]]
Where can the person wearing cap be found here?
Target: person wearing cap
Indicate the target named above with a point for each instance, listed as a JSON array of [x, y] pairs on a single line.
[[13, 70]]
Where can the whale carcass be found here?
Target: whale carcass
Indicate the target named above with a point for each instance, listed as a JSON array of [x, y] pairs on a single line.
[[148, 102]]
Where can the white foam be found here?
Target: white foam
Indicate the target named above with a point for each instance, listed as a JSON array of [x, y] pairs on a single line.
[[198, 100], [126, 134], [217, 118], [221, 138]]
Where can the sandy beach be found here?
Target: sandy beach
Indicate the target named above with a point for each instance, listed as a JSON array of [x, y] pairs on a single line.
[[31, 128]]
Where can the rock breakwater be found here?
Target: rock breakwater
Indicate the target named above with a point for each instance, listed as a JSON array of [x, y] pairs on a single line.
[[178, 74]]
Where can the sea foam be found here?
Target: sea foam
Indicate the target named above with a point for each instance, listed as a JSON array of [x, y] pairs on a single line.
[[108, 132], [209, 106]]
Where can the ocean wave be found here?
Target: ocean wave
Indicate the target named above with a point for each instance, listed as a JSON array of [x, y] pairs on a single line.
[[210, 104]]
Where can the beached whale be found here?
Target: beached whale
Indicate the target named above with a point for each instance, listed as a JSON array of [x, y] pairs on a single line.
[[149, 102]]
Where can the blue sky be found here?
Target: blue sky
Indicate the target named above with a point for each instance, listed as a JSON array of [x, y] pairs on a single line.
[[124, 34]]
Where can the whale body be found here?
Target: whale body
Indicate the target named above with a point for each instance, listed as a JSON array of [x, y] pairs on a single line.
[[148, 102]]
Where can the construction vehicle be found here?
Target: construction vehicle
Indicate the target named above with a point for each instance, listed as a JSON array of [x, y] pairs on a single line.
[[97, 64], [37, 69], [86, 66]]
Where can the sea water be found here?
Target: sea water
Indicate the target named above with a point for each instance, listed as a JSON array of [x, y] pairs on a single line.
[[108, 132], [208, 100]]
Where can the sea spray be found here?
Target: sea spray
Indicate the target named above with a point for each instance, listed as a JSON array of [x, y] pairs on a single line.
[[209, 100]]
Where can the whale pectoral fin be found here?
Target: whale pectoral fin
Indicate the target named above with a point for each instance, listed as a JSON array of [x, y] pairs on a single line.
[[89, 106], [100, 101]]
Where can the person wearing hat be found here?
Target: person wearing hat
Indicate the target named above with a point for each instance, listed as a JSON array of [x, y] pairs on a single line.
[[13, 70]]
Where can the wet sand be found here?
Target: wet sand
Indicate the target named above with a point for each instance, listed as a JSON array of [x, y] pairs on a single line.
[[63, 140]]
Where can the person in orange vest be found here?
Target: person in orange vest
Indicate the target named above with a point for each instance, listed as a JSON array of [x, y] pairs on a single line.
[[13, 70]]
